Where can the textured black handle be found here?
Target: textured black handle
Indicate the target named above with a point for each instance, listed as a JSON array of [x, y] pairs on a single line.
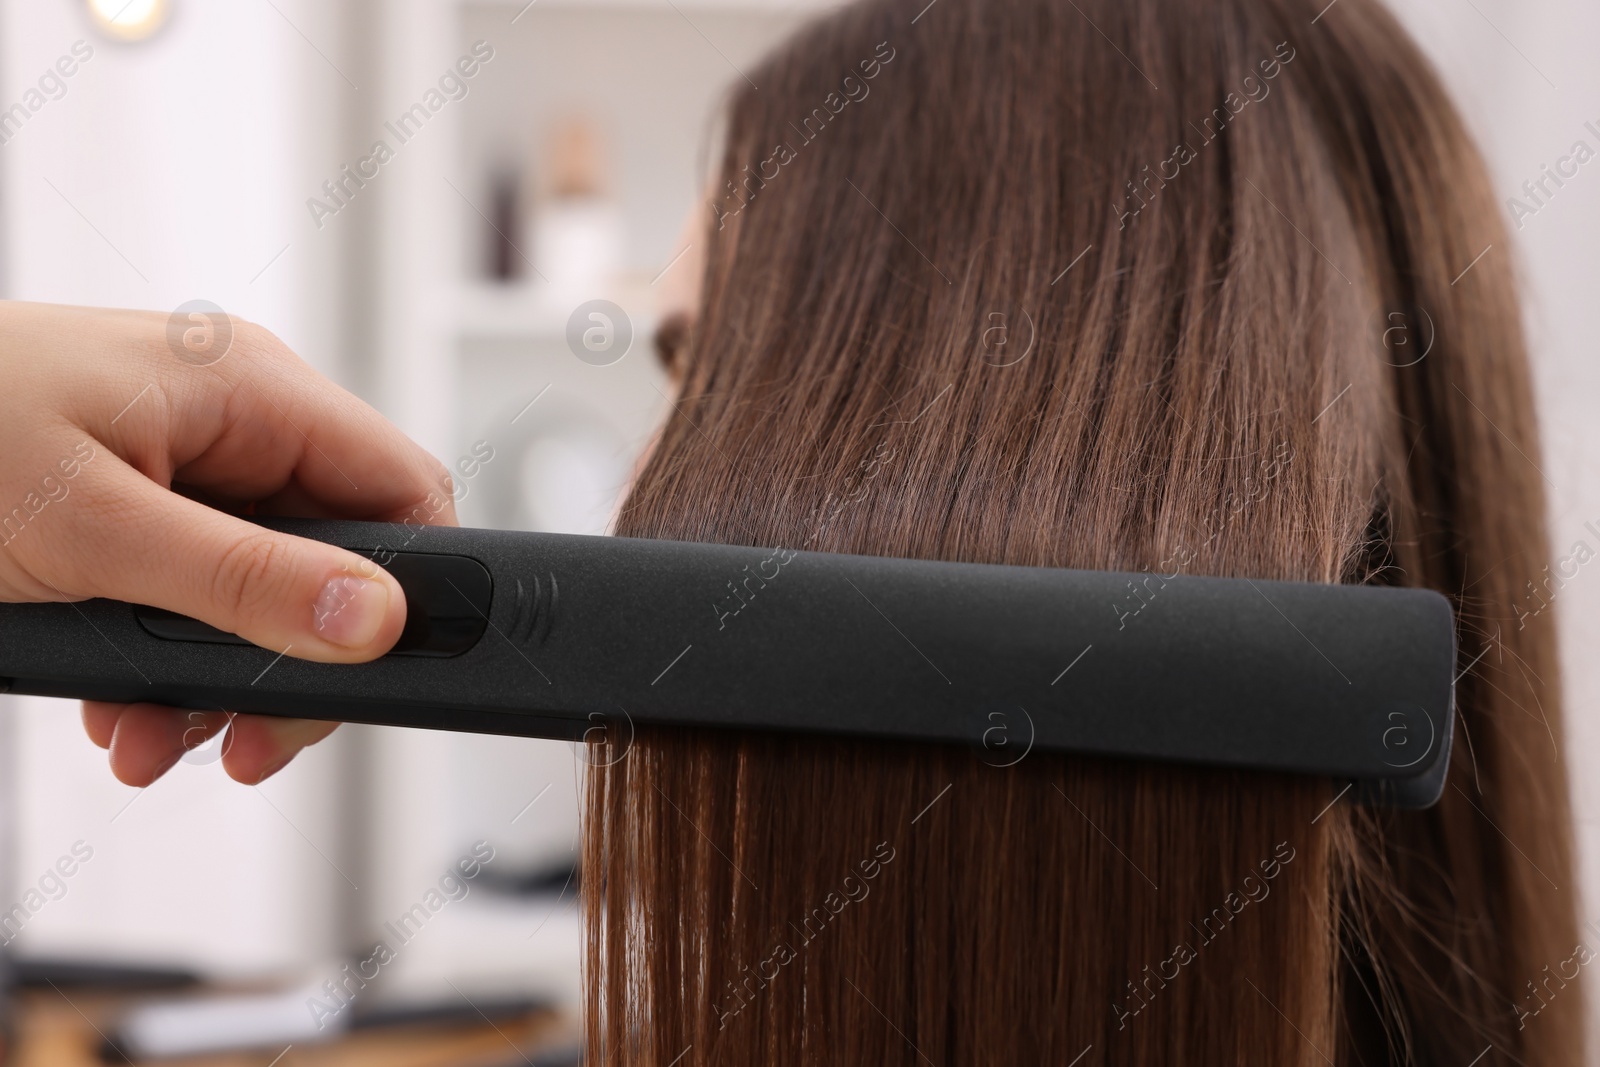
[[581, 633]]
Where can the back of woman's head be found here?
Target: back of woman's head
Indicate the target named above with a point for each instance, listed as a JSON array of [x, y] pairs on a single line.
[[1148, 285]]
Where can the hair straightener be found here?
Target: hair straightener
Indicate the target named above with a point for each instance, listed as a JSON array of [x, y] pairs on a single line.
[[548, 635]]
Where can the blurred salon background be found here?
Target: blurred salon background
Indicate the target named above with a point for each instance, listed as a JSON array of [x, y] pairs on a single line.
[[536, 156]]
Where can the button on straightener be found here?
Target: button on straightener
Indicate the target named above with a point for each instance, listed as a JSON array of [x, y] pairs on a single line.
[[550, 635]]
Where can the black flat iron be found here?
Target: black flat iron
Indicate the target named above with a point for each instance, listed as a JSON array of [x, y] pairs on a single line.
[[558, 636]]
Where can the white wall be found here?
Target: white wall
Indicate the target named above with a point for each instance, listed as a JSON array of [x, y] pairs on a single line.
[[1524, 74], [172, 170]]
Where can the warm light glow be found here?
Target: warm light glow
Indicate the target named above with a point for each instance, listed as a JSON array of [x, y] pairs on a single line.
[[129, 20]]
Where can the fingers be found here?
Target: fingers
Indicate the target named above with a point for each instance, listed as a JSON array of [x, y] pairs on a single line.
[[99, 720], [268, 425], [130, 539], [105, 412], [262, 744], [146, 740], [248, 421]]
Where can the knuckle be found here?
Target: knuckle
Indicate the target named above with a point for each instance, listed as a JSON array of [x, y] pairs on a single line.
[[260, 343], [250, 575]]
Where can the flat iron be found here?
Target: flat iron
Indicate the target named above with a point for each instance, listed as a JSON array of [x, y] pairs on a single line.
[[561, 636]]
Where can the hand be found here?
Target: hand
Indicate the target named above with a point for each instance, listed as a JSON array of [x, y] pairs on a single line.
[[121, 453]]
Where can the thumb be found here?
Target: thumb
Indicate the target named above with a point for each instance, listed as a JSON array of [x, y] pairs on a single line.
[[311, 600]]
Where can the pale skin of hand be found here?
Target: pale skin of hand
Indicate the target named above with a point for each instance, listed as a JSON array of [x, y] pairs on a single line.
[[256, 428]]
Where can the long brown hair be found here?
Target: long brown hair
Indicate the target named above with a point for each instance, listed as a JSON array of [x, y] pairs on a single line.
[[1131, 284]]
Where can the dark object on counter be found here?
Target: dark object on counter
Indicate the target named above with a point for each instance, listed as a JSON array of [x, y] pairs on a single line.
[[45, 973]]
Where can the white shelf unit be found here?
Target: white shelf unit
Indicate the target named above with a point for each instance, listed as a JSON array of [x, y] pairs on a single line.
[[488, 311], [457, 358], [648, 74]]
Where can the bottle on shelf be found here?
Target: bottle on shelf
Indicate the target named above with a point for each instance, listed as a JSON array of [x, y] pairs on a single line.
[[577, 237]]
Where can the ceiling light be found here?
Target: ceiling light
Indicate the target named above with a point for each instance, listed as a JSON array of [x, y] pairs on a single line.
[[129, 20]]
